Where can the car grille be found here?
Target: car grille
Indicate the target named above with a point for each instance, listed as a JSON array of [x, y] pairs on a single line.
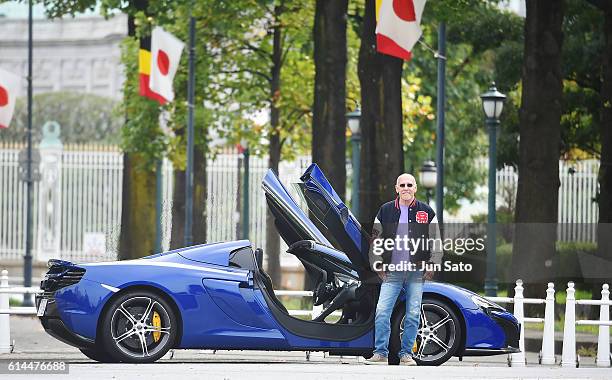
[[59, 277]]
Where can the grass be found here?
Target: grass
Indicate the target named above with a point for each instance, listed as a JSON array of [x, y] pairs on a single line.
[[586, 351], [14, 302]]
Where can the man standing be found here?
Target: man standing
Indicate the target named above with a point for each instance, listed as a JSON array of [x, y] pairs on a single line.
[[410, 224]]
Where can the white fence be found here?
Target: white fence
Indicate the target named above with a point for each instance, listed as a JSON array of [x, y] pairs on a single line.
[[578, 210], [91, 185]]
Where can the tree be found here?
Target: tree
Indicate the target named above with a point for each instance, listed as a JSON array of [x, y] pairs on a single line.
[[83, 118], [138, 225], [329, 110], [259, 57], [382, 156], [540, 139], [604, 234], [600, 271], [477, 32]]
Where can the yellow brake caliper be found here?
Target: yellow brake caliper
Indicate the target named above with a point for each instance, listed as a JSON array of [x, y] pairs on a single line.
[[157, 324], [415, 347]]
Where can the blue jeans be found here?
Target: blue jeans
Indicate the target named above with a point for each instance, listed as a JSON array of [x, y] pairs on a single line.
[[412, 284]]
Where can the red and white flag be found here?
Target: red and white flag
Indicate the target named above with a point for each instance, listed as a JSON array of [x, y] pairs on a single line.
[[165, 56], [398, 26], [10, 84]]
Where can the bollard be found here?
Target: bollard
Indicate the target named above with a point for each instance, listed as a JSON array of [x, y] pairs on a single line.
[[603, 342], [5, 327], [568, 356], [548, 340], [518, 359]]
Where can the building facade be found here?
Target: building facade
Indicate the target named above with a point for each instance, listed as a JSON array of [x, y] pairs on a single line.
[[79, 54]]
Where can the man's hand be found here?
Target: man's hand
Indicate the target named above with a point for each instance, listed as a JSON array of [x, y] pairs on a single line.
[[382, 275], [428, 275]]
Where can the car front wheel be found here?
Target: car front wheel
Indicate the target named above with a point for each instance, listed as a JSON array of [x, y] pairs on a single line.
[[438, 336], [138, 327]]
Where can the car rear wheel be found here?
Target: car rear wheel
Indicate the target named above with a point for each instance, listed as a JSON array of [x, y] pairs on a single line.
[[438, 336], [139, 327]]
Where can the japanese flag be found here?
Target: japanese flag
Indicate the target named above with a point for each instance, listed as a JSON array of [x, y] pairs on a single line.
[[9, 89], [165, 56], [398, 26]]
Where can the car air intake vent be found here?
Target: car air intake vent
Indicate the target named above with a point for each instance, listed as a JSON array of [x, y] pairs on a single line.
[[60, 277]]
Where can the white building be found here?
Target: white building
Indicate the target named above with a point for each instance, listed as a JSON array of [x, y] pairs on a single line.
[[71, 54]]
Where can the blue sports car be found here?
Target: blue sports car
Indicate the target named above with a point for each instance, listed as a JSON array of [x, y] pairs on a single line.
[[217, 296]]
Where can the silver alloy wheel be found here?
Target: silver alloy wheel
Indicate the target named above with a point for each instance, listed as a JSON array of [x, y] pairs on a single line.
[[436, 334], [132, 327]]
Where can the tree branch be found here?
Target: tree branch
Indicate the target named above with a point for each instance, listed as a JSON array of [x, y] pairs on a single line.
[[254, 72]]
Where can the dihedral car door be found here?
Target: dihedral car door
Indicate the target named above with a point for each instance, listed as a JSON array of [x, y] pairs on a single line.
[[291, 222], [294, 226], [336, 221]]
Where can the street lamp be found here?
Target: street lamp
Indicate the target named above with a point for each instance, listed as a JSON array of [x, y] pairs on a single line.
[[428, 177], [492, 104], [353, 119]]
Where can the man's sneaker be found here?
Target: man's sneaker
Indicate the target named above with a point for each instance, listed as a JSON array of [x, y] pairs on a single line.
[[377, 359], [407, 360]]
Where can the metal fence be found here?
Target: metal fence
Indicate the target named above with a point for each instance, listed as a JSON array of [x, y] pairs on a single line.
[[90, 203], [91, 185]]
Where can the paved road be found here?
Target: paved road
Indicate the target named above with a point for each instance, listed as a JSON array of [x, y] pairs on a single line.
[[33, 343]]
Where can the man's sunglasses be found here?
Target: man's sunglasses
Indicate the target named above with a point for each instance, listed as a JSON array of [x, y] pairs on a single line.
[[405, 185]]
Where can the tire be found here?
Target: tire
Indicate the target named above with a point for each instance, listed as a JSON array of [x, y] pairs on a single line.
[[98, 355], [439, 344], [128, 332]]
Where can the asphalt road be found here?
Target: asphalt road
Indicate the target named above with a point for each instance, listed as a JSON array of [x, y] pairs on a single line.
[[32, 343]]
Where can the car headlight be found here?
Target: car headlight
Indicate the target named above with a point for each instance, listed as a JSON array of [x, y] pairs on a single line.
[[485, 304]]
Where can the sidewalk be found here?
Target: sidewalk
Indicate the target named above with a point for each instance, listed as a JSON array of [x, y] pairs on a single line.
[[32, 342]]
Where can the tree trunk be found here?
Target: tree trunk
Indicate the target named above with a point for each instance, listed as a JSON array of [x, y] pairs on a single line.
[[200, 191], [274, 152], [138, 227], [177, 234], [381, 121], [601, 273], [539, 148], [137, 237], [329, 111]]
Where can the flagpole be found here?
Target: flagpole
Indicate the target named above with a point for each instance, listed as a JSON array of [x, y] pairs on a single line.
[[189, 170], [27, 260], [441, 55]]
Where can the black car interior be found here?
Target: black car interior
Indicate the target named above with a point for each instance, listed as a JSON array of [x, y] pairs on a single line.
[[335, 289]]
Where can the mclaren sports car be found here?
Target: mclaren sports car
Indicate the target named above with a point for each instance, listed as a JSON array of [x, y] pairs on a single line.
[[218, 296]]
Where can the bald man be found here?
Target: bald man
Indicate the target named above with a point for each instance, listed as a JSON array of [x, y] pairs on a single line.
[[404, 221]]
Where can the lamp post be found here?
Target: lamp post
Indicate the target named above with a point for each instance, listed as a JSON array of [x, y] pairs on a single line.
[[492, 104], [353, 124], [428, 177]]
